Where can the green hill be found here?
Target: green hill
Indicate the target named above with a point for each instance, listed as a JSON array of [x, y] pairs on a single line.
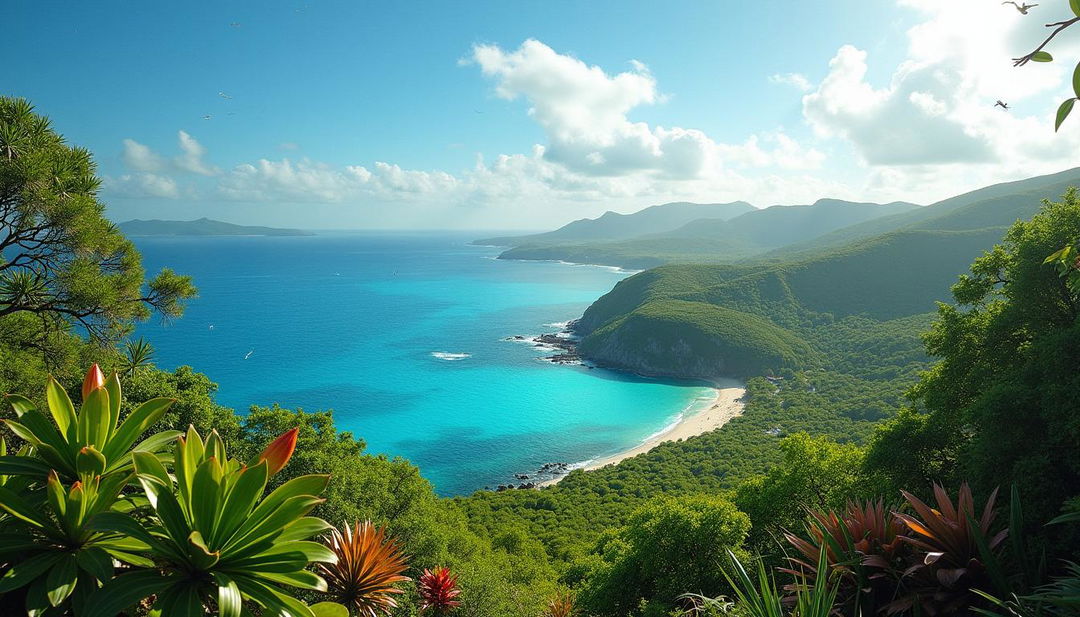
[[202, 227], [992, 206], [616, 226], [717, 240]]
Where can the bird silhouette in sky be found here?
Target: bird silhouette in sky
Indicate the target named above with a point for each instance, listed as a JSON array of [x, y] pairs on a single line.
[[1002, 105], [207, 117], [235, 24], [223, 95], [1023, 8]]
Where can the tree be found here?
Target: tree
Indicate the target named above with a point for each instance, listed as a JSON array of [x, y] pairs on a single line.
[[60, 259], [1002, 400], [668, 547]]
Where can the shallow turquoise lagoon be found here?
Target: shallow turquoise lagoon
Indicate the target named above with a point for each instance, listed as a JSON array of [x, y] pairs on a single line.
[[404, 338]]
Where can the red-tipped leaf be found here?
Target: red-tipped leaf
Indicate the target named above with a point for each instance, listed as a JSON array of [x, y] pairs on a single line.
[[278, 453], [94, 380]]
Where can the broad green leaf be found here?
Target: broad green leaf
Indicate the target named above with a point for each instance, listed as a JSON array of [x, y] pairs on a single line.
[[301, 578], [123, 524], [23, 466], [272, 523], [202, 556], [157, 441], [305, 528], [181, 600], [271, 598], [147, 464], [63, 412], [206, 496], [94, 418], [18, 508], [229, 599], [36, 429], [1042, 56], [1075, 6], [20, 403], [329, 609], [135, 424], [54, 491], [27, 570], [16, 544], [1063, 112], [242, 498], [168, 510], [61, 580], [95, 561], [125, 591], [112, 385]]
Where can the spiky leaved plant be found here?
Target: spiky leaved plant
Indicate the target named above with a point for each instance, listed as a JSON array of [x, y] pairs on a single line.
[[764, 598], [562, 605], [948, 561], [71, 469], [368, 568], [438, 590], [862, 546]]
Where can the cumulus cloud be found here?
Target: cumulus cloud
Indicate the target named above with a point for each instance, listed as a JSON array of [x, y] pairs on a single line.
[[937, 110], [584, 112], [191, 157], [140, 157], [795, 80], [142, 185]]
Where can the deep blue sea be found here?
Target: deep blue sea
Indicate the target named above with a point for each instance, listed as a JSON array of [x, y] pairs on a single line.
[[404, 336]]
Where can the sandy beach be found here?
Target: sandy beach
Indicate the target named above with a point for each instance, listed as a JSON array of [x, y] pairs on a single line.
[[727, 405]]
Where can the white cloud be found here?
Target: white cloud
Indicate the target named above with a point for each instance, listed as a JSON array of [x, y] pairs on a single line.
[[191, 157], [142, 185], [584, 112], [933, 128], [140, 157], [795, 80]]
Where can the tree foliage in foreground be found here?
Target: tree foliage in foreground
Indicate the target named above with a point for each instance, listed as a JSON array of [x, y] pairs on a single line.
[[60, 259]]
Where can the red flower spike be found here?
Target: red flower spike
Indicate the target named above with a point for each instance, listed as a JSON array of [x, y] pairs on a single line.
[[94, 380], [438, 590], [278, 453]]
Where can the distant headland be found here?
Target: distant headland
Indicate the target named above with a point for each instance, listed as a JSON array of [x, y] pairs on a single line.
[[202, 227]]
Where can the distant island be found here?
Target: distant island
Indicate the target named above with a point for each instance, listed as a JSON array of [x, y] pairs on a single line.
[[202, 227]]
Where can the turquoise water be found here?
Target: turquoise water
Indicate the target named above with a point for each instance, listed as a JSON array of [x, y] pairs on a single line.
[[404, 337]]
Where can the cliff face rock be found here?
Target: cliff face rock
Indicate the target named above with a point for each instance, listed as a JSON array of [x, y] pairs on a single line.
[[694, 339]]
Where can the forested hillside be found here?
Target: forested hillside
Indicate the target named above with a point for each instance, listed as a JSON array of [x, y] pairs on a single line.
[[714, 240]]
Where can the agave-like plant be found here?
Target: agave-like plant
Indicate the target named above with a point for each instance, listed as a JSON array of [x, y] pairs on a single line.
[[951, 543], [215, 538], [92, 441], [438, 589], [764, 598], [562, 605], [861, 545], [71, 470], [368, 568]]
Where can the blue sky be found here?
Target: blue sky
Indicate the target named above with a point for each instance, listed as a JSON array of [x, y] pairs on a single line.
[[349, 114]]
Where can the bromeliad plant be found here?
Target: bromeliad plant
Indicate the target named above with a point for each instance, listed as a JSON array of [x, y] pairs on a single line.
[[216, 539], [80, 504], [368, 568], [861, 546], [438, 591], [70, 470]]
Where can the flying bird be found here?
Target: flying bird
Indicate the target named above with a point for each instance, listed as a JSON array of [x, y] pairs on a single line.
[[207, 117], [223, 95], [235, 24], [1023, 8], [1004, 106]]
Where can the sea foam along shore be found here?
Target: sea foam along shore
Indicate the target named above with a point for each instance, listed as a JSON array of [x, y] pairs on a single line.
[[727, 405]]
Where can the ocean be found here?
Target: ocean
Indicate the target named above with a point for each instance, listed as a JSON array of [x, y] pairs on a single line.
[[408, 338]]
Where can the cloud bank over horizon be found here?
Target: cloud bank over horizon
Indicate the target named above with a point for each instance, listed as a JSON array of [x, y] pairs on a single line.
[[930, 131]]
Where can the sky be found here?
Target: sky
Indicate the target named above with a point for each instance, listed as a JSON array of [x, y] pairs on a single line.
[[526, 115]]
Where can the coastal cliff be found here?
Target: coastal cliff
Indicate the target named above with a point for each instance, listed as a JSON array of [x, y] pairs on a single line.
[[694, 340]]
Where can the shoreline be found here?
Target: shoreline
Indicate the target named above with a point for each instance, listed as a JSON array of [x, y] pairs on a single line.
[[726, 405]]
